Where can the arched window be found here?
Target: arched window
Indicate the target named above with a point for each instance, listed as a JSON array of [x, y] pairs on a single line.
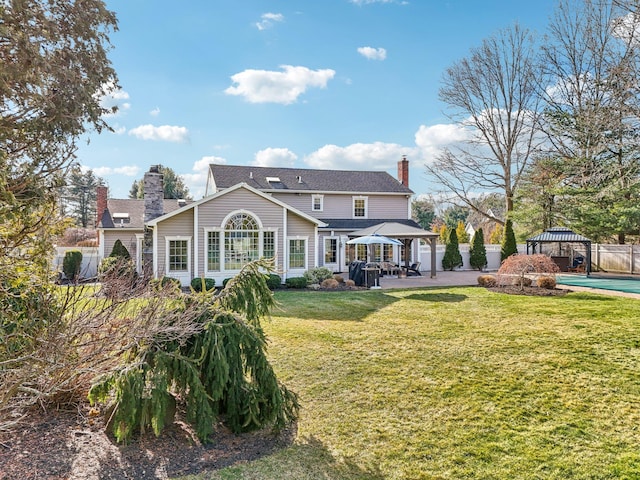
[[241, 241]]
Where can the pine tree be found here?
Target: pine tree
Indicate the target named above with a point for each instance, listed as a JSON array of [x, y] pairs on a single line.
[[452, 258], [509, 246], [477, 251]]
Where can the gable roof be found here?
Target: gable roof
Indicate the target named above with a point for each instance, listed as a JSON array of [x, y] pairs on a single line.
[[134, 207], [166, 216], [273, 179]]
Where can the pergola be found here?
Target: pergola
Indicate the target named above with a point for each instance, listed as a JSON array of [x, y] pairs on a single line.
[[406, 234], [560, 236]]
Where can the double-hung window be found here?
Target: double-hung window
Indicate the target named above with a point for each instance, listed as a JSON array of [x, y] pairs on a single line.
[[297, 253], [360, 207], [317, 203]]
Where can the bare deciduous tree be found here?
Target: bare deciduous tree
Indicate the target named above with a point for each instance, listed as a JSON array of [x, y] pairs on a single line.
[[493, 94]]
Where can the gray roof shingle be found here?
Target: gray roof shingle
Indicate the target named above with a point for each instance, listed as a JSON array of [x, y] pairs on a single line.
[[135, 209], [303, 179]]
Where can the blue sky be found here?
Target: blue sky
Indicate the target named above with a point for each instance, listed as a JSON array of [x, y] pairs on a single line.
[[344, 84]]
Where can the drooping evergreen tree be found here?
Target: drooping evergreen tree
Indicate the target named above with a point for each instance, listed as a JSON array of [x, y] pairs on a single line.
[[452, 257], [218, 371], [509, 245], [477, 251]]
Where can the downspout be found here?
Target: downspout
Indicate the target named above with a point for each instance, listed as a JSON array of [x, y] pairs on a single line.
[[285, 256], [196, 243]]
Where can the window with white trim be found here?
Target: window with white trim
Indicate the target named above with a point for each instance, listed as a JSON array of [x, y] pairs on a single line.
[[360, 207], [241, 241], [178, 255], [317, 203], [297, 253]]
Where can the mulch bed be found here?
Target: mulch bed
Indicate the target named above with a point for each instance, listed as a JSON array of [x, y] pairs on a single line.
[[70, 445]]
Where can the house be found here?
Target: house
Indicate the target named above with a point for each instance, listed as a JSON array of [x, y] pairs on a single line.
[[300, 217]]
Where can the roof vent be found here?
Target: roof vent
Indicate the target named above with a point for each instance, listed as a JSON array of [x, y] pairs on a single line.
[[273, 179], [299, 179], [250, 174], [182, 202]]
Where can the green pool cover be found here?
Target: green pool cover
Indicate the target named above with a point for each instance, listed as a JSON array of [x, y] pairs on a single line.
[[619, 284]]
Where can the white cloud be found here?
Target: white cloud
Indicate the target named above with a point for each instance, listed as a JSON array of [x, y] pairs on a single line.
[[155, 112], [113, 97], [127, 171], [166, 133], [275, 157], [358, 156], [264, 86], [373, 53], [432, 139], [118, 129], [197, 181], [268, 19]]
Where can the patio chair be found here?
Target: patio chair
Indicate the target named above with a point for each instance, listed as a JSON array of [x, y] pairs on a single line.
[[414, 269], [578, 265], [389, 268]]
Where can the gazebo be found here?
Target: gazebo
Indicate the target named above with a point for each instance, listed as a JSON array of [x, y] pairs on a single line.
[[406, 234], [561, 236]]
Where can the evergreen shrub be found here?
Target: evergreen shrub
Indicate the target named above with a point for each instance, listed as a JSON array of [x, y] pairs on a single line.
[[274, 281], [477, 251], [198, 282], [509, 245], [296, 282], [452, 257], [72, 263], [120, 251]]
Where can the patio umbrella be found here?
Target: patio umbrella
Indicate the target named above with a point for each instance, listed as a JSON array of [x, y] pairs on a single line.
[[374, 239]]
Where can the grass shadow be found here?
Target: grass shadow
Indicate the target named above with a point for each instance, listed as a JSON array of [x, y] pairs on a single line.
[[353, 306], [437, 297], [308, 459], [582, 296]]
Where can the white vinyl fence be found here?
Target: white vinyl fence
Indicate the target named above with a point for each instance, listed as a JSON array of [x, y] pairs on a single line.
[[616, 258], [604, 257], [493, 256], [89, 268]]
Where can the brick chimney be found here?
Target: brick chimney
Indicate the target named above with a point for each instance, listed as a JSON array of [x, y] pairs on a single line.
[[403, 171], [153, 208], [101, 202]]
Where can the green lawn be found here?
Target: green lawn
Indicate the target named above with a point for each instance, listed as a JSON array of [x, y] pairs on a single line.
[[456, 383]]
